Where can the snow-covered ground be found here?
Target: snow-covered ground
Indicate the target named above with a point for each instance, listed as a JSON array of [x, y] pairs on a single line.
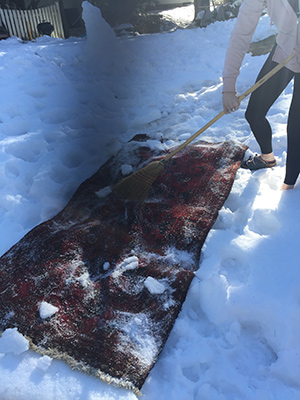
[[66, 107], [181, 16]]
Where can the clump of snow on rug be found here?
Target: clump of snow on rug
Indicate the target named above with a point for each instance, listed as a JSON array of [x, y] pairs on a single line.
[[237, 334]]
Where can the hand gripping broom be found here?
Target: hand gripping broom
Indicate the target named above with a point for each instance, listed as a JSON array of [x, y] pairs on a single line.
[[136, 186]]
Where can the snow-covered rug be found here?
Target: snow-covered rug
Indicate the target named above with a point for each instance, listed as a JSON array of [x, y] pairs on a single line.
[[101, 284]]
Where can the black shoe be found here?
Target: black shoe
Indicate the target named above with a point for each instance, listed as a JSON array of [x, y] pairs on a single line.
[[257, 162]]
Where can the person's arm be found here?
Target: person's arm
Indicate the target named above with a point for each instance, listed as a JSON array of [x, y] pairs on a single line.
[[239, 42]]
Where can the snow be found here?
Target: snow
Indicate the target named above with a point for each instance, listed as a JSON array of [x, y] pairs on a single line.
[[44, 363], [138, 329], [127, 264], [66, 107], [12, 341], [154, 286], [102, 193], [106, 266], [126, 169], [47, 310]]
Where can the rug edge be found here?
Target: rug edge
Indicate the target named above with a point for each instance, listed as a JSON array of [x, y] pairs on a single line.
[[81, 367]]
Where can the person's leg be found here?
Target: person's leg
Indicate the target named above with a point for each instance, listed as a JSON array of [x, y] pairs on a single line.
[[260, 102], [293, 137]]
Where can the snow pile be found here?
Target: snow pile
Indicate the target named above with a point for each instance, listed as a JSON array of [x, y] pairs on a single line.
[[44, 363], [12, 341], [47, 310], [154, 286], [66, 108], [126, 169], [127, 264], [102, 48]]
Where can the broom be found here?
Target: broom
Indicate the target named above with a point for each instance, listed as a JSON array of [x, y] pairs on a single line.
[[136, 186]]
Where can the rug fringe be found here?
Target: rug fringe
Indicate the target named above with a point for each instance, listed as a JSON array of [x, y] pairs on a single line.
[[80, 366]]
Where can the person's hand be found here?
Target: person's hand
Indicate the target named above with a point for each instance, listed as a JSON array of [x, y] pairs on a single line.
[[230, 102]]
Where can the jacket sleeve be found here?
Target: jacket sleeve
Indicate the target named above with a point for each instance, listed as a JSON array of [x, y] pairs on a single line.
[[240, 39]]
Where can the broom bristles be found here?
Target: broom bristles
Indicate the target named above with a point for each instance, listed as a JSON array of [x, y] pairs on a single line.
[[135, 187]]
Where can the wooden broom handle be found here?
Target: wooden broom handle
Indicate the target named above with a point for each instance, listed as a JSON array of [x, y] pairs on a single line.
[[217, 117]]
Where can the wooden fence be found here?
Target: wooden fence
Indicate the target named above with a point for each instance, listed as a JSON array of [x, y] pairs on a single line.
[[23, 23]]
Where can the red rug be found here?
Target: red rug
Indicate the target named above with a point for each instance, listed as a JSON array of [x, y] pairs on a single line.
[[101, 284]]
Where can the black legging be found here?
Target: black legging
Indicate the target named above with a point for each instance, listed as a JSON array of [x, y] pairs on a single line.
[[261, 101]]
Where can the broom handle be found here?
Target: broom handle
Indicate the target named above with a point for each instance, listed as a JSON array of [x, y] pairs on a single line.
[[217, 117]]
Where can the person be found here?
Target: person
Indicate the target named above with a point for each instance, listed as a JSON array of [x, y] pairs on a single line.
[[285, 15]]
